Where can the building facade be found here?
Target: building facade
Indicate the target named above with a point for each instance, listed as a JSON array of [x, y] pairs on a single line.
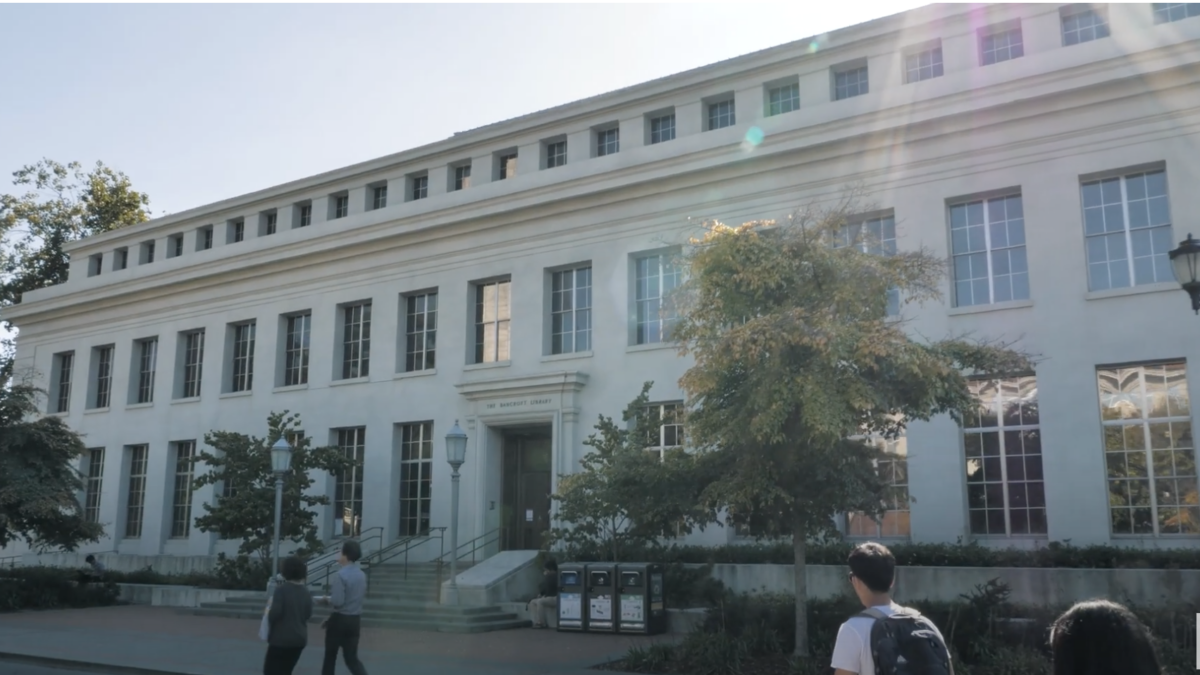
[[512, 278]]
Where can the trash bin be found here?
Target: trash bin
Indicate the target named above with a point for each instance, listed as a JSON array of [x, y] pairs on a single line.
[[572, 597], [601, 598], [641, 599]]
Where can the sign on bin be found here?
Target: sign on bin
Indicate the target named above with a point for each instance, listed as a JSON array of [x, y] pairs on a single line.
[[633, 602], [601, 598], [570, 598]]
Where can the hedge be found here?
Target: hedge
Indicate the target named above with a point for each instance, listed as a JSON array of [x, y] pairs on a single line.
[[51, 588]]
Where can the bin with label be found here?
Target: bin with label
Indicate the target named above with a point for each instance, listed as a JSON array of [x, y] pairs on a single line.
[[572, 597], [640, 598], [601, 598]]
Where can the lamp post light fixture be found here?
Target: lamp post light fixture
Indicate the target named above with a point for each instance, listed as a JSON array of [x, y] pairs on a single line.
[[456, 454], [1185, 261], [281, 463]]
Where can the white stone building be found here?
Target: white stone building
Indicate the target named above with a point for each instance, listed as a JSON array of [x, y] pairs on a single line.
[[509, 277]]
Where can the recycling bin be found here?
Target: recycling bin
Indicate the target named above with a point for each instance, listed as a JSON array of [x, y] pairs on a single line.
[[641, 600], [601, 598], [572, 597]]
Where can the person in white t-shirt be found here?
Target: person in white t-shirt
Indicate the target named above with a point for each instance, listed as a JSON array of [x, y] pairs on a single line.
[[872, 574]]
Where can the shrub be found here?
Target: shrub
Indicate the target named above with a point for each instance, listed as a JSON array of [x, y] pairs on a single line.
[[51, 588]]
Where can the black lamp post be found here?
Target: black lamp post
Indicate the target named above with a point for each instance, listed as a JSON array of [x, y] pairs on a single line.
[[1185, 260]]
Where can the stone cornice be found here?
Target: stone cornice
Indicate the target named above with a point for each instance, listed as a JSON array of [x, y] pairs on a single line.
[[553, 383]]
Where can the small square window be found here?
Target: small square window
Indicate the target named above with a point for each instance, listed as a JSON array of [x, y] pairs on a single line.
[[121, 259], [206, 238], [923, 65], [1168, 12], [508, 165], [420, 187], [176, 245], [721, 115], [272, 223], [1001, 45], [1082, 24], [341, 206], [556, 154], [95, 264], [462, 177], [305, 215], [379, 197], [783, 99], [147, 252], [237, 231], [662, 128], [850, 83], [608, 142]]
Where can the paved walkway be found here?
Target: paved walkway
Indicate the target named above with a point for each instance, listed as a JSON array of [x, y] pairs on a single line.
[[161, 640]]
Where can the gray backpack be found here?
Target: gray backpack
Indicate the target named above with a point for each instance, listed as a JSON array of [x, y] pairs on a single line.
[[907, 643]]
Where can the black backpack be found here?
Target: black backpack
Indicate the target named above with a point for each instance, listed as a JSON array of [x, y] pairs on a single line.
[[907, 643]]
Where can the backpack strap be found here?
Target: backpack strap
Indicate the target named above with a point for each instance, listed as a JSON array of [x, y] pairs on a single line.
[[873, 613]]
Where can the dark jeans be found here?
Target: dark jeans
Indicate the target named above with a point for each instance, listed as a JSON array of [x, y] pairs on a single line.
[[342, 633], [281, 660]]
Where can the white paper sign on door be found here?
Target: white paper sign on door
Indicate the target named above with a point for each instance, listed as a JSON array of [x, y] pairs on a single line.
[[529, 515]]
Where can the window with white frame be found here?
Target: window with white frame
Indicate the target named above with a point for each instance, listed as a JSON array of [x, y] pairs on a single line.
[[1001, 44], [1149, 453], [305, 215], [462, 177], [176, 245], [493, 316], [556, 154], [1167, 12], [295, 349], [921, 65], [148, 252], [656, 276], [272, 223], [420, 332], [508, 165], [135, 496], [876, 236], [356, 340], [239, 231], [1082, 23], [988, 250], [666, 421], [379, 197], [181, 503], [341, 206], [102, 390], [893, 470], [420, 187], [1127, 228], [784, 98], [243, 356], [850, 82], [571, 311], [64, 365], [608, 142], [416, 478], [721, 114], [122, 259], [93, 483], [348, 492], [193, 363], [147, 365], [1006, 494], [662, 128], [206, 238], [96, 264]]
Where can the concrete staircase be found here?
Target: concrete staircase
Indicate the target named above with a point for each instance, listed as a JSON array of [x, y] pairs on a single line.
[[394, 600]]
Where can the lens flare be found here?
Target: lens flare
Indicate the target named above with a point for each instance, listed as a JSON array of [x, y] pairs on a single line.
[[754, 137]]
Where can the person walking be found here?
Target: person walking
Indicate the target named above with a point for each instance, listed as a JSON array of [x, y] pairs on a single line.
[[342, 629], [546, 603], [291, 608], [1099, 637]]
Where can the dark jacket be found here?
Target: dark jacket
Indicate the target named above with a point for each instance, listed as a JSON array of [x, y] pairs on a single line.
[[291, 608], [549, 586]]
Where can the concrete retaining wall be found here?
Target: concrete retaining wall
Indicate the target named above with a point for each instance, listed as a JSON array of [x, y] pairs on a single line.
[[117, 562], [1033, 586], [175, 596]]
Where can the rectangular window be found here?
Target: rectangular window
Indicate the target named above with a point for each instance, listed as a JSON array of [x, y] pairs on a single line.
[[176, 246], [122, 260], [850, 83], [135, 501], [1148, 450], [147, 351], [462, 177], [923, 65], [420, 332], [420, 187], [239, 231], [608, 142], [1127, 229], [93, 484], [783, 99], [662, 129], [893, 470], [571, 311], [148, 252], [379, 197], [1006, 495], [1003, 45], [656, 277], [721, 114], [272, 223], [988, 241], [1166, 12], [193, 363], [243, 356], [348, 493], [341, 206], [295, 354], [63, 365], [508, 166], [556, 154], [668, 432], [95, 264], [206, 238], [306, 215], [356, 341], [876, 237], [104, 363], [492, 319], [416, 478], [1082, 24], [181, 504]]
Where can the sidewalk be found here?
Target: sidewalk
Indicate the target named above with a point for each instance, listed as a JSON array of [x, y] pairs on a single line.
[[153, 639]]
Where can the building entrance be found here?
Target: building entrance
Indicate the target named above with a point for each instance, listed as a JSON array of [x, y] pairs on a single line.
[[526, 488]]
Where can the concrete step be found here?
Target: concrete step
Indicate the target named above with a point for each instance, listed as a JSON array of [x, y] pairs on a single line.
[[433, 618]]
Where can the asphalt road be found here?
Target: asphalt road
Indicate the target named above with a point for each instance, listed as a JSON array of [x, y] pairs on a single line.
[[16, 668]]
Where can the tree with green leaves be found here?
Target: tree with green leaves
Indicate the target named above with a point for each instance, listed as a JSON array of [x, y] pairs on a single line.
[[62, 203], [625, 496], [240, 466], [39, 484], [797, 363]]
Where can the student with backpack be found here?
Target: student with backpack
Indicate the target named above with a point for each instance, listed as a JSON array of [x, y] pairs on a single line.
[[885, 639]]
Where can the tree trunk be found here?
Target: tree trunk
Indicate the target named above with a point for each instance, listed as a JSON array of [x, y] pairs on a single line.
[[801, 576]]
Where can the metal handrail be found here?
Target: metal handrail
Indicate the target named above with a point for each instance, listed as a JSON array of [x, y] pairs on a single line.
[[476, 544], [404, 547], [327, 560], [10, 561]]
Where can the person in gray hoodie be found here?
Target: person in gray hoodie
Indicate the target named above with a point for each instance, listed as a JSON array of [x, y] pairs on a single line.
[[291, 608]]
